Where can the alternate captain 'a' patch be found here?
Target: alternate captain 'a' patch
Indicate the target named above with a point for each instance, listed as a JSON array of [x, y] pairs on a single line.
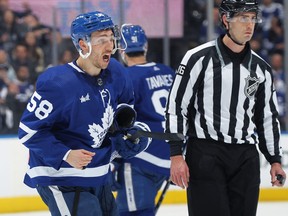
[[251, 86]]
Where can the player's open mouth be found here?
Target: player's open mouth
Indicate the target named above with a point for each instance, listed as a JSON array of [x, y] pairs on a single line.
[[106, 58]]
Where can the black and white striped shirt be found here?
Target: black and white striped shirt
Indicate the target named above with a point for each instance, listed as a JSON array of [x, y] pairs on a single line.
[[213, 97]]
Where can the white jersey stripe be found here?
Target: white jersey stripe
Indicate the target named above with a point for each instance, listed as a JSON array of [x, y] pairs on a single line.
[[62, 172], [60, 201], [129, 187], [29, 132]]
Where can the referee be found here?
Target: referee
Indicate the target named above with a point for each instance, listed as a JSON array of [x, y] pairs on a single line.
[[224, 100]]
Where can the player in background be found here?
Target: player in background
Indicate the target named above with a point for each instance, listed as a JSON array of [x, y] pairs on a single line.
[[224, 100], [140, 177], [66, 125]]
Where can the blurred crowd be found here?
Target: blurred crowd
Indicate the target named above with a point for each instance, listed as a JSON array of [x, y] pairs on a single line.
[[26, 50]]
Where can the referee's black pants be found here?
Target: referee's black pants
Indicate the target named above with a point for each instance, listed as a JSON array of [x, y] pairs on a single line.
[[224, 178]]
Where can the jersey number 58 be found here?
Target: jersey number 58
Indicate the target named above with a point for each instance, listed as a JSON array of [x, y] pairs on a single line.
[[42, 108]]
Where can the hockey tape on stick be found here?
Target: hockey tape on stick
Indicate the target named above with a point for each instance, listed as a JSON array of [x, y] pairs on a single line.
[[157, 135]]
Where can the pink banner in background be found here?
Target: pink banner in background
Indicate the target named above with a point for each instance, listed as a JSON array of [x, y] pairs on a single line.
[[148, 13]]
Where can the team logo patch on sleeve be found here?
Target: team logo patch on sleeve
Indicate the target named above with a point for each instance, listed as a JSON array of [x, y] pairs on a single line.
[[180, 70], [251, 86]]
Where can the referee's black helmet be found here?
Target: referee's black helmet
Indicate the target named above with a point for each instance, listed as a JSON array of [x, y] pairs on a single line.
[[232, 7]]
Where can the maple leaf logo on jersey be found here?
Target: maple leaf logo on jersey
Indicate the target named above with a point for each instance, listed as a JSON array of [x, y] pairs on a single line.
[[99, 132]]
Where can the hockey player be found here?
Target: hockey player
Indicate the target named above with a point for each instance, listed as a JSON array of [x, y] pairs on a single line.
[[67, 121], [140, 178]]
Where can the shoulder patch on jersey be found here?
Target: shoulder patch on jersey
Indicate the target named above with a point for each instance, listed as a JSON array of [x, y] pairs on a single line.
[[251, 86], [181, 69], [155, 68], [84, 99]]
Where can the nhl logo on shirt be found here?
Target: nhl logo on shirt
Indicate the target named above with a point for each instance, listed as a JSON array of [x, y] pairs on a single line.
[[251, 86]]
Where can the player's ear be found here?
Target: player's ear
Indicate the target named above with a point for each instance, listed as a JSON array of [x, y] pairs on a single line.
[[83, 45], [224, 21]]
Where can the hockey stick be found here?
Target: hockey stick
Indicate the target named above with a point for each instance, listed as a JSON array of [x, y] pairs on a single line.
[[163, 193], [166, 187], [125, 117], [156, 135]]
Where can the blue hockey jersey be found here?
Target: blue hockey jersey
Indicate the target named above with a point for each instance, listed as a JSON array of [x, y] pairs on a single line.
[[72, 110], [152, 82]]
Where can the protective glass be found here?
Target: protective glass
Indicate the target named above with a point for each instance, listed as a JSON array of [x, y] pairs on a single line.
[[102, 40]]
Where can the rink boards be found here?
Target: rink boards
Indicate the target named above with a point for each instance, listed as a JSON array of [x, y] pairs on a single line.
[[17, 197]]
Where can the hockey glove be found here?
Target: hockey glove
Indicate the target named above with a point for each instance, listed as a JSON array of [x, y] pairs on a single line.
[[129, 148], [124, 118]]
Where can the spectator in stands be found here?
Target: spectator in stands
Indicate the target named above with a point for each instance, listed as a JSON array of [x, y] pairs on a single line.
[[6, 115], [194, 14], [4, 74], [217, 2], [19, 92], [35, 52], [4, 61], [218, 30], [66, 56], [20, 56], [10, 30], [4, 5], [275, 35], [269, 9], [42, 32], [55, 38], [276, 61], [3, 83]]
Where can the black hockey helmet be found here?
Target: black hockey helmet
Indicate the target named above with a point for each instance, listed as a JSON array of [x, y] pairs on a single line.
[[232, 7]]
